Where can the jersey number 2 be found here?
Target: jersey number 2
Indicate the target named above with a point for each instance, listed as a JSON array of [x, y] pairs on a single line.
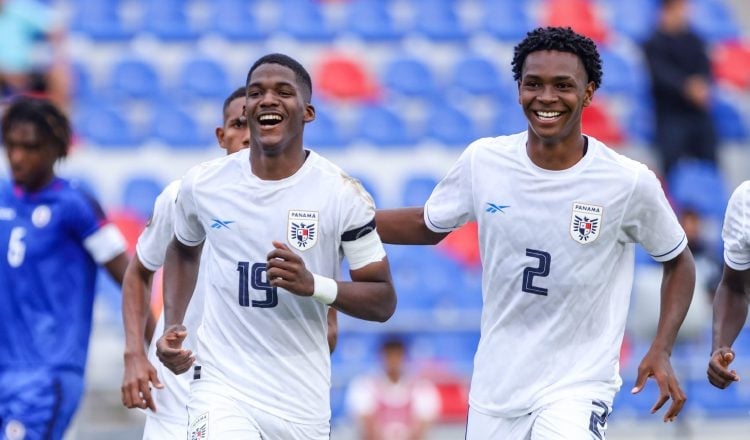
[[256, 278], [542, 270]]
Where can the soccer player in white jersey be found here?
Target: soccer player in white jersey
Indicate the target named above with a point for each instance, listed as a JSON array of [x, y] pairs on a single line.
[[168, 417], [277, 219], [559, 214], [732, 296]]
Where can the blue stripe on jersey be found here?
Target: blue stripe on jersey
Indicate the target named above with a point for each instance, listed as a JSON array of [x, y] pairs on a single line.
[[671, 250], [360, 232], [48, 278]]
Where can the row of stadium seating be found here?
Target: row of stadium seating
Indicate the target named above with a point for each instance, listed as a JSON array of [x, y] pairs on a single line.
[[378, 20]]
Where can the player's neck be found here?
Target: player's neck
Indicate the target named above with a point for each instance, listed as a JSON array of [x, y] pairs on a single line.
[[556, 155], [276, 166]]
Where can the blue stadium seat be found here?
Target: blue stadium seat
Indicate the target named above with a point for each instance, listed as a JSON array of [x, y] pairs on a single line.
[[417, 189], [713, 19], [139, 194], [104, 126], [509, 120], [203, 78], [133, 78], [622, 75], [438, 21], [100, 20], [371, 21], [450, 126], [305, 21], [178, 129], [236, 20], [730, 123], [167, 20], [700, 185], [81, 87], [324, 131], [410, 77], [382, 127], [709, 401], [476, 75], [507, 20], [634, 19]]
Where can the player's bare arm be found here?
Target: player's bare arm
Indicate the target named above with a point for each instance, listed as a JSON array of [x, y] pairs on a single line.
[[730, 312], [678, 283], [369, 296], [180, 276], [139, 374], [116, 267], [405, 226]]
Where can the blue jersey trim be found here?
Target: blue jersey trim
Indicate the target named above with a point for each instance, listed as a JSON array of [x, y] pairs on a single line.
[[671, 250]]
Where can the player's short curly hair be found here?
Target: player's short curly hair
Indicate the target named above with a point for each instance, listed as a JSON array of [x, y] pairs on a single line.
[[51, 124], [303, 77], [562, 39]]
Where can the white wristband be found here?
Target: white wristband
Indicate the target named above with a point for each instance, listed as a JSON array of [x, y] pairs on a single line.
[[325, 289]]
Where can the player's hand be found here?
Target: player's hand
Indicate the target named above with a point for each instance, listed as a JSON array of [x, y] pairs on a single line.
[[170, 352], [287, 270], [139, 376], [656, 364], [719, 373]]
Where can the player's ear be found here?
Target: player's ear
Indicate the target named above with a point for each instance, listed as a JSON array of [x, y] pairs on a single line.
[[309, 112], [219, 132], [588, 94]]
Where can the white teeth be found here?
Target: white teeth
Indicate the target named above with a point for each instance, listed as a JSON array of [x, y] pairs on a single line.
[[269, 118], [548, 115]]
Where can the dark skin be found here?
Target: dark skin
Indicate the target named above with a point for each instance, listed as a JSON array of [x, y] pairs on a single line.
[[730, 313], [277, 107], [553, 91]]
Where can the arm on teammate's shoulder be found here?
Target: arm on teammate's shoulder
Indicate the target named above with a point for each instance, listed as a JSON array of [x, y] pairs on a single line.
[[405, 226], [370, 295]]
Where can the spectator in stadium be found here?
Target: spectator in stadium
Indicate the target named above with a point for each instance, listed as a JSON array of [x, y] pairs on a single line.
[[32, 51], [278, 219], [53, 235], [731, 300], [681, 80], [393, 404], [559, 214]]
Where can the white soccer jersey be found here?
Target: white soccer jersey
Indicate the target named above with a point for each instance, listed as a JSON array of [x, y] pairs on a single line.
[[736, 230], [557, 250], [151, 249], [267, 346]]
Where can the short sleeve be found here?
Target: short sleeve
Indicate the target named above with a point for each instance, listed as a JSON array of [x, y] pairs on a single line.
[[736, 230], [187, 226], [650, 220], [358, 210], [153, 241], [451, 203], [87, 221]]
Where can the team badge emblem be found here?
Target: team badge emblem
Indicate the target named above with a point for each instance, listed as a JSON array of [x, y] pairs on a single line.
[[199, 427], [302, 230], [585, 222], [41, 215]]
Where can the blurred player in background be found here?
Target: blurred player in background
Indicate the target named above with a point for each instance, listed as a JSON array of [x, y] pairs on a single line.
[[52, 237], [168, 416], [393, 404], [731, 300], [559, 214], [278, 219]]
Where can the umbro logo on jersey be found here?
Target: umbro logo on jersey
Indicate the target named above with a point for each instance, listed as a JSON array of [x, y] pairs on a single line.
[[493, 208], [7, 213], [218, 224]]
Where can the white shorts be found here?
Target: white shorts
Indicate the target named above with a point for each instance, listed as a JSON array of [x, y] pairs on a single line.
[[216, 416], [160, 428], [580, 419]]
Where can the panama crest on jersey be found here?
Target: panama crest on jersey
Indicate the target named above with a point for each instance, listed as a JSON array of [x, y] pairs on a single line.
[[199, 427], [585, 222], [302, 229]]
